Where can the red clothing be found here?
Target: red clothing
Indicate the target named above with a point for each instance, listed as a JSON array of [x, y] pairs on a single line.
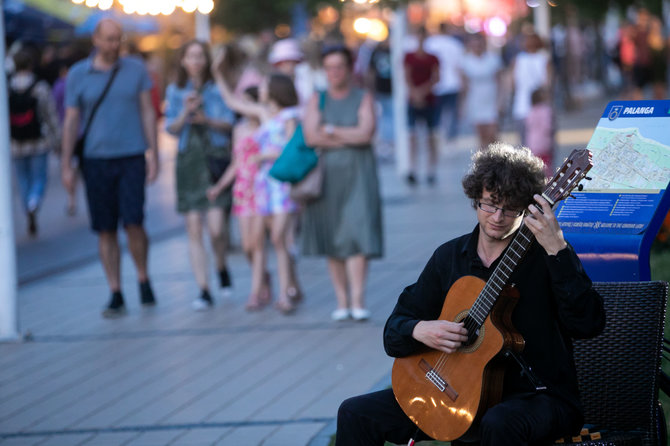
[[420, 68]]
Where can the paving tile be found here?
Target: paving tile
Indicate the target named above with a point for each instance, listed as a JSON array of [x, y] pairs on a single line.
[[126, 378], [293, 434], [200, 437], [23, 441], [67, 439], [155, 438], [111, 438], [193, 392], [248, 436]]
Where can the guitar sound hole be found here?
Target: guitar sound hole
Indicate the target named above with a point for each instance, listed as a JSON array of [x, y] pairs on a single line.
[[473, 331]]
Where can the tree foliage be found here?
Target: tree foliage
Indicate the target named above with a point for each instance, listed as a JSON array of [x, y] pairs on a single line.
[[596, 9], [248, 16]]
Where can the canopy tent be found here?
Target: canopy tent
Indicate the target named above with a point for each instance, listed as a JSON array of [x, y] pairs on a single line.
[[24, 22], [130, 23]]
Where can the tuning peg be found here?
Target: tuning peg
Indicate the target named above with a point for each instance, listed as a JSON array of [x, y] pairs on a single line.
[[588, 178], [571, 196], [580, 187]]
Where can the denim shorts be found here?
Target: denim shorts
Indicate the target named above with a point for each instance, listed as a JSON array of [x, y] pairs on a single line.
[[429, 114], [115, 191]]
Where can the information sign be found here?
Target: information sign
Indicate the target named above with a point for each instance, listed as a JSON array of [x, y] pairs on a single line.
[[614, 219]]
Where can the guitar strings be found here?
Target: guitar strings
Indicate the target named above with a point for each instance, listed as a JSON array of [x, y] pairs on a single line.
[[493, 287], [485, 301]]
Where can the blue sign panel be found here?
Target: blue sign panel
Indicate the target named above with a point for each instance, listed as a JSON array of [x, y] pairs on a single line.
[[614, 220], [608, 213]]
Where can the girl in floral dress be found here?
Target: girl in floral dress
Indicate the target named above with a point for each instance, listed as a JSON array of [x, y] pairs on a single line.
[[277, 114], [243, 170]]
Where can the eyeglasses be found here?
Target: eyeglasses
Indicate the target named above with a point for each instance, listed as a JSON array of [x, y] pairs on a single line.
[[486, 207]]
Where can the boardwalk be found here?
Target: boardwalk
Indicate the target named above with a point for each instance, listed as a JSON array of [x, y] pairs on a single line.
[[172, 376]]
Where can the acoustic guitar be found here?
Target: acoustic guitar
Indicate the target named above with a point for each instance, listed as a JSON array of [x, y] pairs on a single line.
[[444, 394]]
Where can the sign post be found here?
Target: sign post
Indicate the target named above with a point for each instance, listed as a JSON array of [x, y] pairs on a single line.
[[614, 220], [8, 282]]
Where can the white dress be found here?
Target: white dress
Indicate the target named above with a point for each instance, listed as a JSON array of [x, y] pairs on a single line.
[[481, 102], [530, 73]]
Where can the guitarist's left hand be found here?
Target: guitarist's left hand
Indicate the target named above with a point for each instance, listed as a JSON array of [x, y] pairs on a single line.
[[544, 226]]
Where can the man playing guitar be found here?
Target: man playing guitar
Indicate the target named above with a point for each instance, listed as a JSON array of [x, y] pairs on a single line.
[[556, 303]]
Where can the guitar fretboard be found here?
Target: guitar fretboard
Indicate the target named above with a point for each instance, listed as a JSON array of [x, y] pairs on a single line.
[[501, 274]]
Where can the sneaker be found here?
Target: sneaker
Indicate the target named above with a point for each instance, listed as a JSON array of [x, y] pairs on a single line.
[[411, 179], [225, 283], [116, 307], [431, 180], [340, 314], [360, 314], [32, 224], [204, 302], [224, 278], [147, 298]]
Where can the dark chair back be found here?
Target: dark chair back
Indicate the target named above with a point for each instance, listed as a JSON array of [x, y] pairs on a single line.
[[618, 371]]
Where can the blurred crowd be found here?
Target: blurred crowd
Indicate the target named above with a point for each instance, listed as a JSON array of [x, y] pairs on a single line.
[[235, 109]]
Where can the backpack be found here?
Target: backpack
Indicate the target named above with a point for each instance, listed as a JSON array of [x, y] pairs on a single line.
[[23, 115]]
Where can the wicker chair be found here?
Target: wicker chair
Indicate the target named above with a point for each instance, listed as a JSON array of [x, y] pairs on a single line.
[[619, 370]]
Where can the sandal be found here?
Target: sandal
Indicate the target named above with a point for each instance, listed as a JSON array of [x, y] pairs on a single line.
[[265, 295], [285, 306], [295, 295], [253, 304]]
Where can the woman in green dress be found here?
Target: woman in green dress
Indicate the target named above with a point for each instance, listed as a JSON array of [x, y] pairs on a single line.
[[345, 223], [196, 113]]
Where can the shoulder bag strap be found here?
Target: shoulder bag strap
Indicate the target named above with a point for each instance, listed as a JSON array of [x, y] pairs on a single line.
[[100, 99], [322, 100]]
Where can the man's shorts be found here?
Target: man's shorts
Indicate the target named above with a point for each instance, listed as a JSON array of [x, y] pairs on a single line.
[[429, 114], [115, 191]]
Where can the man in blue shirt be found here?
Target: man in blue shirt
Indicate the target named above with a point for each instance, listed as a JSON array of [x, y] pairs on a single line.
[[120, 153]]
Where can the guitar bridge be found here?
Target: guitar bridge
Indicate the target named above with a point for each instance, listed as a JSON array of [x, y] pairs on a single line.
[[439, 382]]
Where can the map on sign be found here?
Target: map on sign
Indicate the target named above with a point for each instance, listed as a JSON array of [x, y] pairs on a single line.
[[631, 170], [625, 159]]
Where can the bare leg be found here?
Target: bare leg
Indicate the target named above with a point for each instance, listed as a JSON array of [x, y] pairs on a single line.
[[294, 291], [279, 226], [256, 244], [72, 195], [338, 275], [660, 90], [357, 268], [218, 234], [110, 256], [138, 245], [433, 153], [488, 133], [196, 249], [413, 151]]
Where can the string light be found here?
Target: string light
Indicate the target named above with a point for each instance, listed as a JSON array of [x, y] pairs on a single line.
[[153, 7]]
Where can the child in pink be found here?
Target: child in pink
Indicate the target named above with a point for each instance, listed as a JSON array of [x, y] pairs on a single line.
[[540, 129], [243, 170]]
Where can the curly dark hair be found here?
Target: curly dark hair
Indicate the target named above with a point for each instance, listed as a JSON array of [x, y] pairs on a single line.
[[512, 175]]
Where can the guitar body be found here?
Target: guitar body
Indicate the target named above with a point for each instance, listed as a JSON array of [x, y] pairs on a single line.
[[444, 394]]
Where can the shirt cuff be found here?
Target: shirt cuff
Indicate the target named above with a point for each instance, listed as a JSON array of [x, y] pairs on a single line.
[[564, 265]]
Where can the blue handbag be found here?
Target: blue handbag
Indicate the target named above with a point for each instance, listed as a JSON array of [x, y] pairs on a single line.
[[297, 159]]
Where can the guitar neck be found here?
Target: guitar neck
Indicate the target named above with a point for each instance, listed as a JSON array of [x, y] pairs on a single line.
[[501, 274]]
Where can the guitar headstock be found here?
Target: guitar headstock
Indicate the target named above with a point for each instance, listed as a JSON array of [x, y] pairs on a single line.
[[568, 176]]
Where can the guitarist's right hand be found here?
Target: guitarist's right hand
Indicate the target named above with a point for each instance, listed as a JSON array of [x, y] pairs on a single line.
[[441, 335]]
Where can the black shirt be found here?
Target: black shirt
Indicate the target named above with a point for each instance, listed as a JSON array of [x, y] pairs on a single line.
[[380, 62], [557, 303]]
